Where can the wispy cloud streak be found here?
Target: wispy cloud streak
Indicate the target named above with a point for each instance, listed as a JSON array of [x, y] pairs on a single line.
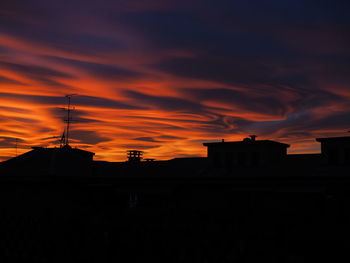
[[167, 75]]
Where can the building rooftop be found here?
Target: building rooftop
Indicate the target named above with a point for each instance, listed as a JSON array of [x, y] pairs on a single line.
[[39, 160], [247, 141]]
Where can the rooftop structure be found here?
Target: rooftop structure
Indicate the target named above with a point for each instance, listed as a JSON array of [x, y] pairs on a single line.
[[65, 161], [335, 150], [134, 156], [247, 153]]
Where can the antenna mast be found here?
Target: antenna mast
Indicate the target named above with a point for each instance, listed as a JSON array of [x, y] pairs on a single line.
[[69, 118]]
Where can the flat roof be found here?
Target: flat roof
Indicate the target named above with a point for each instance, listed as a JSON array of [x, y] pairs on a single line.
[[257, 142]]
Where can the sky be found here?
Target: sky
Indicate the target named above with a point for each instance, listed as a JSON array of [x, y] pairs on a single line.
[[165, 76]]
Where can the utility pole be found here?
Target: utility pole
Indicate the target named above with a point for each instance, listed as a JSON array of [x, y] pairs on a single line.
[[69, 118]]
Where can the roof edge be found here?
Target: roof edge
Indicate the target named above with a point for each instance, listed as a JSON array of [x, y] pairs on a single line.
[[249, 142]]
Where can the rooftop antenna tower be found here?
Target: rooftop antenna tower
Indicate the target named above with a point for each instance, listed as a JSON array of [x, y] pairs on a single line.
[[69, 117]]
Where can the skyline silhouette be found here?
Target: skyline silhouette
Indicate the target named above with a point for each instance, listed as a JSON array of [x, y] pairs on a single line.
[[247, 201], [132, 155], [208, 131], [249, 157]]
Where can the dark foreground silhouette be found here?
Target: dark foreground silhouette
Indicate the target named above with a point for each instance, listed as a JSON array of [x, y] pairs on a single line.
[[174, 219], [247, 202]]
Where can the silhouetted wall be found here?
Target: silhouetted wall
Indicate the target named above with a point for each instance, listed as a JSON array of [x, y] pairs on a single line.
[[247, 153], [336, 150], [60, 219]]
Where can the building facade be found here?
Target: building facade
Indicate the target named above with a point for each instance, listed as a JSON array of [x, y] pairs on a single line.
[[335, 150], [247, 153]]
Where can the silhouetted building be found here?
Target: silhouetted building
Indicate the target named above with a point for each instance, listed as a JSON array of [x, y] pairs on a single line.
[[134, 156], [247, 153], [65, 161], [300, 161], [335, 150], [178, 167]]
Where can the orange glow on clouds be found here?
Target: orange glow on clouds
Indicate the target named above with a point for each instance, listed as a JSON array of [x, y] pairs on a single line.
[[150, 83]]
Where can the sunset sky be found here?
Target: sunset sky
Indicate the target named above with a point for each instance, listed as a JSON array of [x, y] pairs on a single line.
[[164, 76]]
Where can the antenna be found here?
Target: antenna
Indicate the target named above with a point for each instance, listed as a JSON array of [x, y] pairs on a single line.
[[62, 139], [69, 118], [253, 137]]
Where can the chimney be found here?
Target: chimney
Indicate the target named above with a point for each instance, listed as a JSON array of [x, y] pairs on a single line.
[[252, 137]]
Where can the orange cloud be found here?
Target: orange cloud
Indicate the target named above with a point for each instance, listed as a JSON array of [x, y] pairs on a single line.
[[164, 78]]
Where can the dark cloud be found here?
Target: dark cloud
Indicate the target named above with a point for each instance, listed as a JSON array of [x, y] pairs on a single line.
[[22, 120], [102, 71], [228, 125], [41, 74], [339, 121], [103, 103], [158, 139], [164, 103], [3, 50], [53, 83], [165, 29], [331, 68], [267, 100], [14, 109], [170, 137], [233, 71], [5, 80], [10, 142], [78, 100], [267, 104], [145, 139], [316, 98], [77, 43], [56, 25], [302, 125], [139, 146], [207, 120], [34, 71], [295, 114], [78, 116], [88, 137]]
